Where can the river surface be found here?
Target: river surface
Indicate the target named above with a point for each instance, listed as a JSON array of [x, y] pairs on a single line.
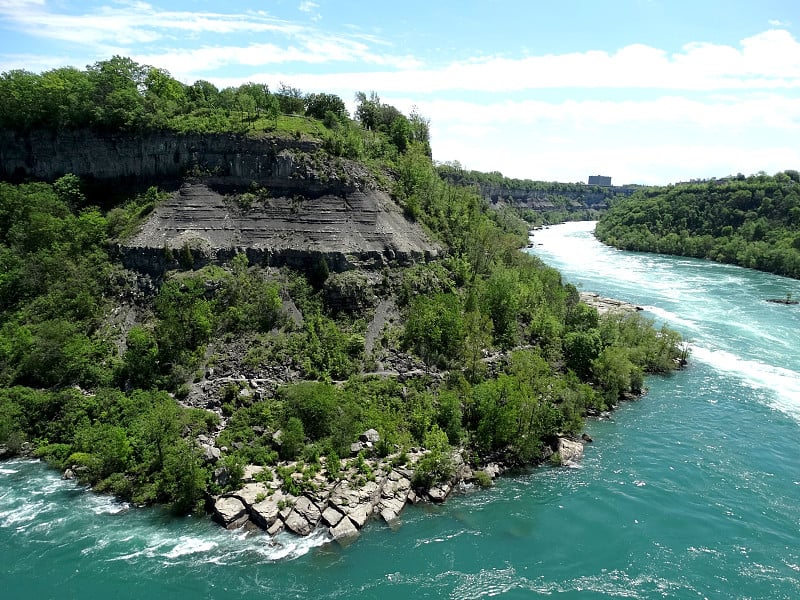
[[691, 492]]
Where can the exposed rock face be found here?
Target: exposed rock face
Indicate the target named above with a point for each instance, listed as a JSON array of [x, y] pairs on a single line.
[[363, 229], [607, 305], [553, 196], [316, 206], [570, 451], [151, 156]]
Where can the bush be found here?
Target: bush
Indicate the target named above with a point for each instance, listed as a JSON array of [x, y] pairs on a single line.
[[482, 479]]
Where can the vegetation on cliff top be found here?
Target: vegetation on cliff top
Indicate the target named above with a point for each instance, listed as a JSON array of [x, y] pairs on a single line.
[[121, 95], [749, 221], [510, 357]]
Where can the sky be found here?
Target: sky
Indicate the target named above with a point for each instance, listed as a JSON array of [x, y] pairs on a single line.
[[644, 91]]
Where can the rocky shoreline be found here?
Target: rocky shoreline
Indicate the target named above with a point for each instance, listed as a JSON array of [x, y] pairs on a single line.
[[607, 305], [303, 498], [344, 499]]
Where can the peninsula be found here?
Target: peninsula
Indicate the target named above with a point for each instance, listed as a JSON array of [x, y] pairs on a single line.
[[246, 301]]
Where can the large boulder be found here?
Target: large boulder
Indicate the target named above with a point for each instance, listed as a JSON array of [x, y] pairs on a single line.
[[360, 514], [345, 532], [297, 523], [571, 452], [331, 516], [251, 493], [371, 436], [230, 511], [267, 512]]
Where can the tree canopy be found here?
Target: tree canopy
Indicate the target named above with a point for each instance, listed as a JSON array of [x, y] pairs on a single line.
[[749, 221]]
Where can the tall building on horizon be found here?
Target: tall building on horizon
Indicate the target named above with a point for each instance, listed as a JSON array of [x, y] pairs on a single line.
[[600, 180]]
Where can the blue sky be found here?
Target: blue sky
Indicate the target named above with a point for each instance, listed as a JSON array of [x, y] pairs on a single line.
[[646, 91]]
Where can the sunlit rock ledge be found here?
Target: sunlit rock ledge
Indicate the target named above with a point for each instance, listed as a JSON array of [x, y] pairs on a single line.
[[607, 305], [343, 500]]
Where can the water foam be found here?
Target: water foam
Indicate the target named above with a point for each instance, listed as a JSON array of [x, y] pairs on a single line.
[[783, 383], [190, 545], [671, 318]]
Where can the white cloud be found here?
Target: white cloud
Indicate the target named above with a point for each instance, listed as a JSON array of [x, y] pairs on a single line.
[[655, 142], [769, 60], [779, 23], [307, 6]]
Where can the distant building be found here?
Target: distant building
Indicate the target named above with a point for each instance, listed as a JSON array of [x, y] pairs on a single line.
[[600, 180]]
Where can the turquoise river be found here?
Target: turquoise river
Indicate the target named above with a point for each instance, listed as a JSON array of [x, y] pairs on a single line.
[[691, 492]]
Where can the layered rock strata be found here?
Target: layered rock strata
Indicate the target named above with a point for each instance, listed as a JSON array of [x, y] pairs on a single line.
[[357, 229]]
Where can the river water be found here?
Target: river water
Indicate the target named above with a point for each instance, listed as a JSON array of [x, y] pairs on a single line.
[[691, 492]]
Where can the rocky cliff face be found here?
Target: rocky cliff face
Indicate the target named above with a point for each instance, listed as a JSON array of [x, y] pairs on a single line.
[[357, 229], [545, 200], [148, 157], [313, 206]]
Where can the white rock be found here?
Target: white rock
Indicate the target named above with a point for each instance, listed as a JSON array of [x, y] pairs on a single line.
[[331, 516], [360, 514], [230, 511], [298, 524], [345, 532], [570, 452]]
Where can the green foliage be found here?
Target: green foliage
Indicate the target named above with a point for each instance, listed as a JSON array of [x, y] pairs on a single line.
[[314, 404], [482, 479], [435, 328], [56, 277], [749, 221], [293, 439], [319, 105], [437, 465]]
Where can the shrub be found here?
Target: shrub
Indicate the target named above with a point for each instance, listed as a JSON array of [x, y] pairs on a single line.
[[482, 479]]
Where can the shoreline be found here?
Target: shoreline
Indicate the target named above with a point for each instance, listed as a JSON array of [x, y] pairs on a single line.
[[302, 498], [606, 305], [365, 489]]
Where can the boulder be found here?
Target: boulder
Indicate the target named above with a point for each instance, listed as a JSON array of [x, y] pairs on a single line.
[[345, 532], [297, 523], [371, 436], [571, 452], [390, 517], [492, 470], [250, 493], [308, 510], [68, 474], [266, 512], [229, 511], [439, 492], [360, 514], [392, 506], [331, 516], [250, 472], [211, 454]]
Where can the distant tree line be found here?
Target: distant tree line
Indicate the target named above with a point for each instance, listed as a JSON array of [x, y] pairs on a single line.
[[751, 221]]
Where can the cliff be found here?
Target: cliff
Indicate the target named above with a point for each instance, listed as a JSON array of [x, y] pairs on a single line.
[[146, 157], [535, 195], [356, 229], [309, 206]]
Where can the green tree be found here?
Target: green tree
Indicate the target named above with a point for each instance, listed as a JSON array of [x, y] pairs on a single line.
[[293, 439]]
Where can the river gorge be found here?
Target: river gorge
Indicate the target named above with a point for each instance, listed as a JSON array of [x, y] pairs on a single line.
[[690, 492]]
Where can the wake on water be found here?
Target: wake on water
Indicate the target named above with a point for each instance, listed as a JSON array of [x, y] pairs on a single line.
[[38, 505]]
